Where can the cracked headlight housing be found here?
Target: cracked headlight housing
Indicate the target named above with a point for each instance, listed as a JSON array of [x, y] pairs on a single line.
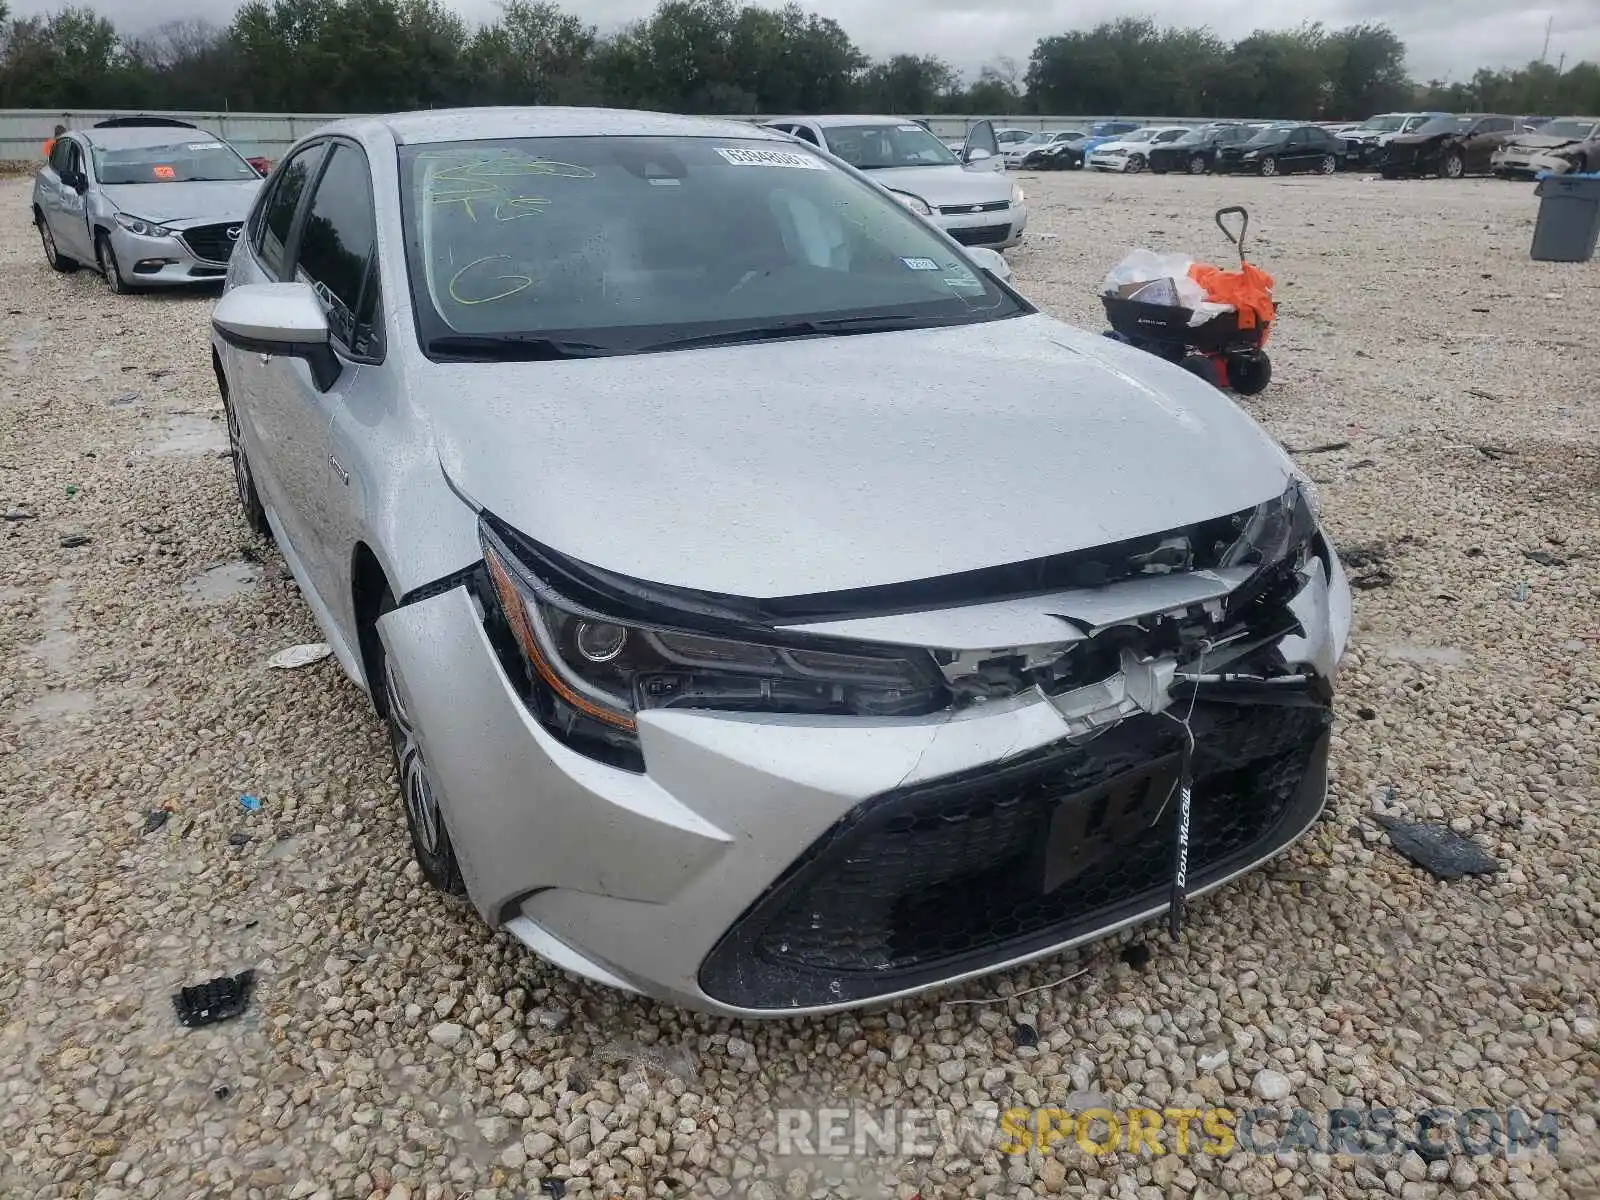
[[142, 228], [588, 674], [1279, 530]]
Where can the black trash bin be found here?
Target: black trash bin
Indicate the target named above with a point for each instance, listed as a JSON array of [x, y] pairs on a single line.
[[1569, 218]]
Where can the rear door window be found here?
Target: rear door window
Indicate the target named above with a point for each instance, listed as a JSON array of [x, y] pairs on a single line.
[[274, 219], [337, 243]]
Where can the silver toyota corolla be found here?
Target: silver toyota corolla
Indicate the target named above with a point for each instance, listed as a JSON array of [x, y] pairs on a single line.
[[147, 204], [771, 611]]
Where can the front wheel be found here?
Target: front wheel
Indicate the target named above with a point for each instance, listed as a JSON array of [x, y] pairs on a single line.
[[1328, 165], [1197, 164], [1269, 166], [1454, 166], [430, 840], [52, 255], [1135, 163], [109, 266]]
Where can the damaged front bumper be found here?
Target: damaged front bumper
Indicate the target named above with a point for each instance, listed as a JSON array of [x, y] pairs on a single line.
[[769, 864]]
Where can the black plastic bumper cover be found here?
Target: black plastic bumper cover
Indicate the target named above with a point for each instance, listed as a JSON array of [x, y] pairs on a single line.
[[957, 875]]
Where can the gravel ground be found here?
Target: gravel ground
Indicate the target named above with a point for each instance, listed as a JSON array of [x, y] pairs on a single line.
[[395, 1048]]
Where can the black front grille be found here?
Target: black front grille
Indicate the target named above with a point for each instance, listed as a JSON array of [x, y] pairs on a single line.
[[212, 243], [982, 235], [931, 881], [956, 210]]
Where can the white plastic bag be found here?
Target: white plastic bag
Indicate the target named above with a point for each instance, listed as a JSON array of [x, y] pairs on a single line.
[[1143, 267]]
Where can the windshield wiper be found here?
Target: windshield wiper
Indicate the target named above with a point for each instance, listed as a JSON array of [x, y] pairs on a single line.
[[511, 347], [831, 327]]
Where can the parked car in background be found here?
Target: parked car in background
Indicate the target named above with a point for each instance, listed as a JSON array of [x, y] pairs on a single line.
[[1102, 132], [1131, 151], [1448, 146], [678, 749], [1196, 151], [968, 196], [1017, 153], [1283, 150], [149, 202], [1559, 146], [1367, 140], [1063, 154], [1005, 136]]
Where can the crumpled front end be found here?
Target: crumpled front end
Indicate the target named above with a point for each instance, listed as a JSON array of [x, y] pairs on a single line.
[[757, 862], [1520, 162]]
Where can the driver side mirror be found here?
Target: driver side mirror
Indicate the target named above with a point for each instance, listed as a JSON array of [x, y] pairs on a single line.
[[284, 319], [977, 154]]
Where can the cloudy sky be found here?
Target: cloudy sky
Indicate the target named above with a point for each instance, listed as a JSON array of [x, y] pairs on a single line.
[[1445, 37]]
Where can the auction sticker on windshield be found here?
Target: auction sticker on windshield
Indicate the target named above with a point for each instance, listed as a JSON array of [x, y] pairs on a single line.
[[771, 158]]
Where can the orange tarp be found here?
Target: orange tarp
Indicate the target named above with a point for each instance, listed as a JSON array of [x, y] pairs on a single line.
[[1249, 290]]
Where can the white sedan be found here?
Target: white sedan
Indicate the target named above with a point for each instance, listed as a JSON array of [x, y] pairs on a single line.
[[1131, 152]]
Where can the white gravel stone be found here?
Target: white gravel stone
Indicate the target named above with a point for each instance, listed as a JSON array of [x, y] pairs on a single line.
[[1271, 1085]]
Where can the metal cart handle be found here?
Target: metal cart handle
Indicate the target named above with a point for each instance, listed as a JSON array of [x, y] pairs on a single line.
[[1244, 226]]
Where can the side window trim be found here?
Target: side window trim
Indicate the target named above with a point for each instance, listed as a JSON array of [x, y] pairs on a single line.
[[291, 255]]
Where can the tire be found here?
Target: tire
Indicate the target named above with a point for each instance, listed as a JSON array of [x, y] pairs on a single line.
[[1268, 167], [1389, 173], [244, 481], [1135, 164], [1197, 164], [57, 260], [1328, 165], [1249, 372], [430, 839], [1454, 165], [109, 268], [1203, 366]]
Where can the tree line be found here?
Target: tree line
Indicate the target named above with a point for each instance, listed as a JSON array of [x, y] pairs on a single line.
[[718, 56]]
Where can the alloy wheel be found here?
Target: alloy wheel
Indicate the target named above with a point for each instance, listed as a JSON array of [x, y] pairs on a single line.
[[1328, 165], [1269, 166], [1197, 164], [49, 243], [1135, 163], [1454, 167], [415, 787]]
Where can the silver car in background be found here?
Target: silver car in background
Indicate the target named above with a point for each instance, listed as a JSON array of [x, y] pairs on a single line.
[[968, 195], [148, 202], [770, 610]]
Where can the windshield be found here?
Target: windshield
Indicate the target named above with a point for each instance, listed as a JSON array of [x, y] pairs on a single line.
[[877, 147], [1388, 123], [1574, 129], [1037, 139], [1444, 125], [181, 162], [621, 244]]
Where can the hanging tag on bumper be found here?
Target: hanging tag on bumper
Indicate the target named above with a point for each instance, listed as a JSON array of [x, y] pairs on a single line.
[[1180, 866]]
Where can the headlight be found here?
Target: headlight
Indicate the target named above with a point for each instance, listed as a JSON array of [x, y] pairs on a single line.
[[1277, 530], [143, 228], [589, 673], [915, 203], [1018, 196]]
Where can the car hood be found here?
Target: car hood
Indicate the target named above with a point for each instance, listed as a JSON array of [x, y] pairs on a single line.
[[941, 186], [1541, 141], [221, 201], [819, 465]]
